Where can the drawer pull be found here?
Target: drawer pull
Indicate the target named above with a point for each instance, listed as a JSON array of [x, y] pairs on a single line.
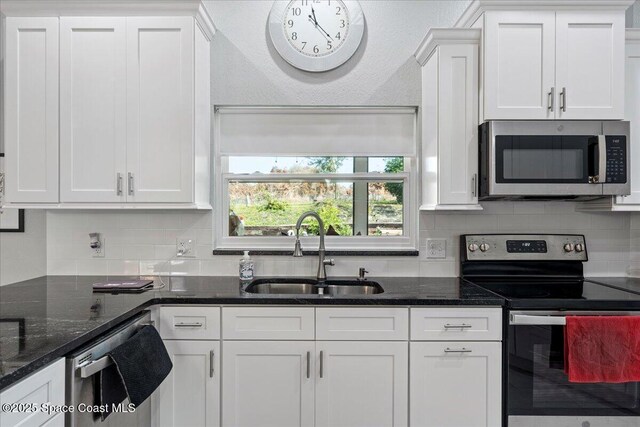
[[458, 350], [321, 364], [460, 326], [212, 356], [188, 325], [308, 364]]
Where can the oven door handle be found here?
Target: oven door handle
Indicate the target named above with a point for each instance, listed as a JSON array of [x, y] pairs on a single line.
[[526, 319]]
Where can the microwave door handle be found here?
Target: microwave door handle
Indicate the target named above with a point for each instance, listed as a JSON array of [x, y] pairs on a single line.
[[602, 158]]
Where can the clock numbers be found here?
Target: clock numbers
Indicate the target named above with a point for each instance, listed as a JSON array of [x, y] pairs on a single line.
[[313, 22]]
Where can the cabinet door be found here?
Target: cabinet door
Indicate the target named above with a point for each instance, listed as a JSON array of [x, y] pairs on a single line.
[[93, 110], [160, 109], [519, 65], [455, 384], [632, 113], [362, 384], [190, 395], [31, 110], [268, 383], [458, 125], [589, 65]]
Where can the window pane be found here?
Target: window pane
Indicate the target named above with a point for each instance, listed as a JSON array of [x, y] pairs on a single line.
[[385, 213], [386, 164], [304, 165], [272, 208]]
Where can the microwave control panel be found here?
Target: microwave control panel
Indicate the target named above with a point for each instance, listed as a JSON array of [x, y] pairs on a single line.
[[616, 159]]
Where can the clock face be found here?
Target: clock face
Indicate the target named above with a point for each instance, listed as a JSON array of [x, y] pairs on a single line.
[[316, 28], [316, 35]]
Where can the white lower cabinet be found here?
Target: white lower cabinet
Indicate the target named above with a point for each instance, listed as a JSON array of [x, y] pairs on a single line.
[[43, 386], [362, 384], [455, 384], [190, 395], [268, 383]]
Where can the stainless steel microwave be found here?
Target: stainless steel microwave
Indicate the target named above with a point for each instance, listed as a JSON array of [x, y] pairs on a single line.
[[577, 160]]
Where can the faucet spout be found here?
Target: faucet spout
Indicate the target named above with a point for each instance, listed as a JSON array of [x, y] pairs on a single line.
[[297, 251]]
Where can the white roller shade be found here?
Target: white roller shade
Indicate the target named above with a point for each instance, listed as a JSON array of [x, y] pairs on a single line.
[[341, 131]]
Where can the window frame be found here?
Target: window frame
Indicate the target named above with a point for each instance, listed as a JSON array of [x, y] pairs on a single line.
[[222, 241]]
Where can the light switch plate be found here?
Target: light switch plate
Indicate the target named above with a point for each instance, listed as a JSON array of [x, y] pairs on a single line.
[[436, 248]]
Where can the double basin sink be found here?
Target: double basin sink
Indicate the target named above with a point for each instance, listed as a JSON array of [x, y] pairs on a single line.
[[285, 286]]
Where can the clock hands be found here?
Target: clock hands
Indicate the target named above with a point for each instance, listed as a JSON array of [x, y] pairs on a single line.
[[314, 21]]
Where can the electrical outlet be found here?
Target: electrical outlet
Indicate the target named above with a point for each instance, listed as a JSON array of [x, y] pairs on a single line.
[[185, 247], [436, 248], [99, 251]]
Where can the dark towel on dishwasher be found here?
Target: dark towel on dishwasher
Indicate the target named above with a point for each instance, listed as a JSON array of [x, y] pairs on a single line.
[[110, 391], [143, 363]]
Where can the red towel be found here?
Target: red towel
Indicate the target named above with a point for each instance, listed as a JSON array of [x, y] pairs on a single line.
[[602, 349]]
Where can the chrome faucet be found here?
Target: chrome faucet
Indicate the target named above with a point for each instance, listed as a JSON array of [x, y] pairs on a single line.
[[297, 251]]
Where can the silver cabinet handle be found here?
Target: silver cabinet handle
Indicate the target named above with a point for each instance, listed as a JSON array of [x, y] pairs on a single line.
[[188, 325], [460, 326], [551, 99], [321, 364], [563, 99], [130, 183], [308, 364], [457, 350], [212, 356], [474, 185], [119, 184]]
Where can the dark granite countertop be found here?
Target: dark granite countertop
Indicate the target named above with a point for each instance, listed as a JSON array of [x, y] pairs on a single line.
[[48, 317]]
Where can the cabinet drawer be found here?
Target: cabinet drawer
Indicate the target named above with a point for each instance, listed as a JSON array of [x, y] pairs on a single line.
[[362, 324], [456, 324], [268, 323], [189, 323], [43, 386]]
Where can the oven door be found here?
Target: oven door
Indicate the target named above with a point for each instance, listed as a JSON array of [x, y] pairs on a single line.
[[538, 159], [538, 390]]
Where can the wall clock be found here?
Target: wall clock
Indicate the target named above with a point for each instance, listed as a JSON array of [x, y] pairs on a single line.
[[316, 35]]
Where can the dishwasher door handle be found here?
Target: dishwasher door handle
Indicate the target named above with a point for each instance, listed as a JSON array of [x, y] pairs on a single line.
[[94, 367]]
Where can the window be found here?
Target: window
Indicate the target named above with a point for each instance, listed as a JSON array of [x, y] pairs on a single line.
[[365, 196]]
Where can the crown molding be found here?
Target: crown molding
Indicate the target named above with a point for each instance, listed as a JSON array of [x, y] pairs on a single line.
[[439, 36], [633, 35], [478, 7], [193, 8]]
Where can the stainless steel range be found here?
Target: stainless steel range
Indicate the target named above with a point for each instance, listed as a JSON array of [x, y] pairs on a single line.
[[541, 277]]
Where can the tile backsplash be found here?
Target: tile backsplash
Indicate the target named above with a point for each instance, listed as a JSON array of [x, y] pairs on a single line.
[[141, 242]]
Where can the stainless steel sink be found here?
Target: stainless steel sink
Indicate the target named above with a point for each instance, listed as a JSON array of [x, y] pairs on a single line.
[[284, 286]]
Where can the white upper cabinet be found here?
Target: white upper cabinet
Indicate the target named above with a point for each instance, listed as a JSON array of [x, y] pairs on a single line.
[[133, 109], [93, 110], [550, 60], [519, 51], [449, 117], [589, 65], [632, 108], [160, 149], [31, 110]]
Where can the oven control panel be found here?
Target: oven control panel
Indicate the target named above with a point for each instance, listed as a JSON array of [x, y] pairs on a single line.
[[524, 247]]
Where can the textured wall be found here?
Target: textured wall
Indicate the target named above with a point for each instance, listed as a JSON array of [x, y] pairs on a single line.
[[23, 255], [247, 70]]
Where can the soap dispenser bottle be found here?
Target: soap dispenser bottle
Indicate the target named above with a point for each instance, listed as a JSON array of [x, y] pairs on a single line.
[[246, 268]]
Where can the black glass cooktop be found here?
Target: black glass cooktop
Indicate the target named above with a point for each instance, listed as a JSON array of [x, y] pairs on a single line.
[[560, 294]]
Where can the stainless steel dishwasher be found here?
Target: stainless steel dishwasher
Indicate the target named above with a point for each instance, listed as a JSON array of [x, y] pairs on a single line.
[[81, 370]]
